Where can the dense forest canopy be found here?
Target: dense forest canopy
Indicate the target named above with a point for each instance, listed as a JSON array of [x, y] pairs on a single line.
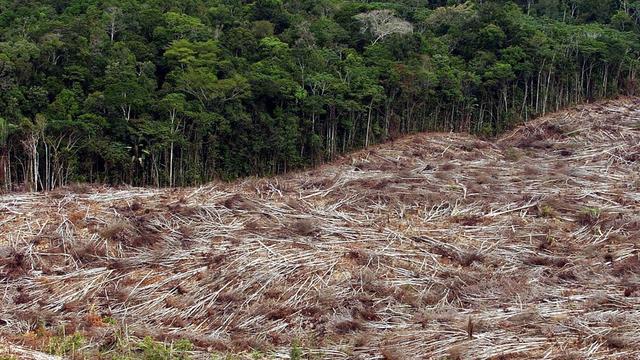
[[168, 92]]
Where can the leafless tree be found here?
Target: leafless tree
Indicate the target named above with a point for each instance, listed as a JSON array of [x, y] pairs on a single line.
[[113, 18], [382, 23]]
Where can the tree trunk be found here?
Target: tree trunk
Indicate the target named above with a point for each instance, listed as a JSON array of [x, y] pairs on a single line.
[[366, 137]]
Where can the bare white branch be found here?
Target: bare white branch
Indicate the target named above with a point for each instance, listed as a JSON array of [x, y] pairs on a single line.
[[382, 23]]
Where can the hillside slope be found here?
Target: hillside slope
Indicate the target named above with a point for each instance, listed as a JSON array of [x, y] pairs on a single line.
[[434, 246]]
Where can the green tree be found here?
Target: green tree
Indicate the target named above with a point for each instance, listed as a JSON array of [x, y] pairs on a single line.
[[174, 105]]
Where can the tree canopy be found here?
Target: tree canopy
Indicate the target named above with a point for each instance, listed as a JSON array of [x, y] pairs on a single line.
[[164, 93]]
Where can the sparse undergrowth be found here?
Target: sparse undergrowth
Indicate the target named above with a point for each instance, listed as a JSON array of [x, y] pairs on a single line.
[[115, 345]]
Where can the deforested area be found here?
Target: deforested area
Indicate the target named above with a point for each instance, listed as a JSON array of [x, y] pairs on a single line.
[[437, 245]]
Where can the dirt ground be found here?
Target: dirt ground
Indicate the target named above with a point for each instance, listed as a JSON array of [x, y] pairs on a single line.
[[433, 246]]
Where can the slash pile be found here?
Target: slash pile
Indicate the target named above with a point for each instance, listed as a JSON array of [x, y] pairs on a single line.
[[433, 246]]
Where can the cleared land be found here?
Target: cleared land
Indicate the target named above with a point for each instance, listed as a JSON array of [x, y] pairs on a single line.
[[434, 246]]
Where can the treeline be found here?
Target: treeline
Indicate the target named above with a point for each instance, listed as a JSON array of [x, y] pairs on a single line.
[[171, 93]]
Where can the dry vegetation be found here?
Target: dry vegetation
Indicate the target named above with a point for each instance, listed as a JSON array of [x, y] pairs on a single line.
[[435, 246]]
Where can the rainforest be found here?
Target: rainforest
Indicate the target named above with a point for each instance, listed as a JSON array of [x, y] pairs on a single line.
[[178, 93]]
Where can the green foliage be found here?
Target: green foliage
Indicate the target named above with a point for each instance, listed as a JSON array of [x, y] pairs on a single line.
[[296, 351], [153, 350], [152, 93], [77, 346], [184, 26], [589, 215], [109, 320], [149, 349], [547, 211], [257, 355], [64, 345], [4, 131]]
